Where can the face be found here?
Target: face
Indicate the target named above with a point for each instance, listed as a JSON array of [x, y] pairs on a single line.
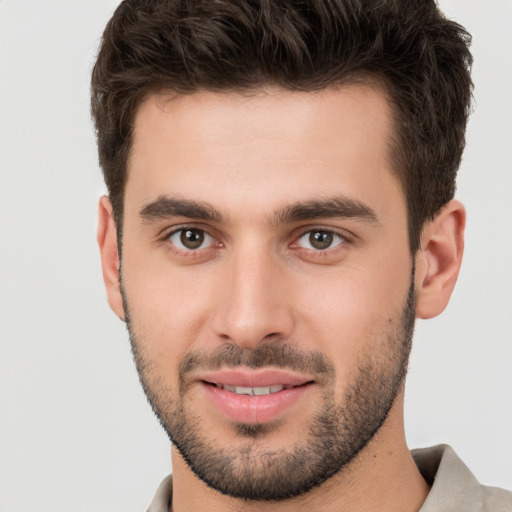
[[266, 281]]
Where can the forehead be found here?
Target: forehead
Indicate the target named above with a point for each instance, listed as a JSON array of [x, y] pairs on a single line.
[[273, 144]]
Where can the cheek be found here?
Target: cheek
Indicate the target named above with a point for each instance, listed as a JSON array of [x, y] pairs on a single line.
[[168, 308], [347, 315]]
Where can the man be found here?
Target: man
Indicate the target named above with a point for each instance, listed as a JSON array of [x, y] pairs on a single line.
[[281, 180]]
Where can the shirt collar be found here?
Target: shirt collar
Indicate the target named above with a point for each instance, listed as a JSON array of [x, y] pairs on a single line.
[[454, 488]]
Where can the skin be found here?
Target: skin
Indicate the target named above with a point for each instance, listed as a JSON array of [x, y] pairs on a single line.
[[257, 281]]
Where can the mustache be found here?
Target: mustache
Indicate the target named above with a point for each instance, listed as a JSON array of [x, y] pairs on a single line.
[[278, 355]]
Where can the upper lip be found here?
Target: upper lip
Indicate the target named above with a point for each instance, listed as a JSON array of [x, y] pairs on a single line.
[[251, 378]]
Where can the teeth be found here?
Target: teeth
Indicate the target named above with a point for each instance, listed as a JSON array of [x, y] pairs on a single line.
[[257, 391], [240, 390], [262, 391]]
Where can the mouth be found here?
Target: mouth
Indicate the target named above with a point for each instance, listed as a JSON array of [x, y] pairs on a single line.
[[254, 396], [253, 391]]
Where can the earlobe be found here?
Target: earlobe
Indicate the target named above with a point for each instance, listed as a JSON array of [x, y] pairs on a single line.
[[107, 241], [439, 259]]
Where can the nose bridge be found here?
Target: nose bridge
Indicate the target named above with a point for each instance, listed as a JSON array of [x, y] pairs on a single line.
[[255, 304]]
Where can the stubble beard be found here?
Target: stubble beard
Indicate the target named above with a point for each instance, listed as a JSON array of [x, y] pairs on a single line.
[[331, 440]]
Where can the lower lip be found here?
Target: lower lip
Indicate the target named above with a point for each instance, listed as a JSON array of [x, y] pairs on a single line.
[[254, 409]]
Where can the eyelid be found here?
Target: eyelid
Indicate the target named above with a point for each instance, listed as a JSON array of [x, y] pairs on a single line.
[[347, 236], [167, 233], [335, 242], [206, 241]]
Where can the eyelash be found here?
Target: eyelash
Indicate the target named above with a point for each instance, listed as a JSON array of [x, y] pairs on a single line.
[[343, 240], [190, 252]]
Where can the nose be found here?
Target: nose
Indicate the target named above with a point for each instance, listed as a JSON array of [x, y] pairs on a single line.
[[254, 306]]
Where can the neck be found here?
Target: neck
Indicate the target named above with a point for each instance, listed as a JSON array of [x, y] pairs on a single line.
[[382, 477]]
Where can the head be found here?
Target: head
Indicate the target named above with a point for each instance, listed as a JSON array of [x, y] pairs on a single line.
[[280, 181], [408, 48]]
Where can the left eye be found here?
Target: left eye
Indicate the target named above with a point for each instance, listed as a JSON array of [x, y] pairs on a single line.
[[320, 240], [190, 239]]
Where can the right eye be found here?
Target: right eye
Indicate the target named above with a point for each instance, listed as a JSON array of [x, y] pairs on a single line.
[[191, 239]]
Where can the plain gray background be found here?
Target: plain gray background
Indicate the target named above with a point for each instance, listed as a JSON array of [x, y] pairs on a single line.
[[75, 430]]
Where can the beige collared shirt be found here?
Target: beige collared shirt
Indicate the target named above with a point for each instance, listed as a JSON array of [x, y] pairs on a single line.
[[454, 488]]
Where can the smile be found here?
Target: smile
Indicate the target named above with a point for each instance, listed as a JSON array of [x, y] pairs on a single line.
[[251, 396]]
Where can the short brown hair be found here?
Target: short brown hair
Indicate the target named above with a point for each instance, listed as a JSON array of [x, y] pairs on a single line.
[[182, 46]]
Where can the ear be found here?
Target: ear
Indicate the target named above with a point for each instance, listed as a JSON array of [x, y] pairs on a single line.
[[438, 260], [107, 241]]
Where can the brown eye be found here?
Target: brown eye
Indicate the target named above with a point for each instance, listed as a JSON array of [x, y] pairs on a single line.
[[190, 239], [320, 240]]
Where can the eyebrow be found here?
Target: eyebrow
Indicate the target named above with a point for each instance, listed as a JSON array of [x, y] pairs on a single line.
[[165, 207], [331, 207]]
